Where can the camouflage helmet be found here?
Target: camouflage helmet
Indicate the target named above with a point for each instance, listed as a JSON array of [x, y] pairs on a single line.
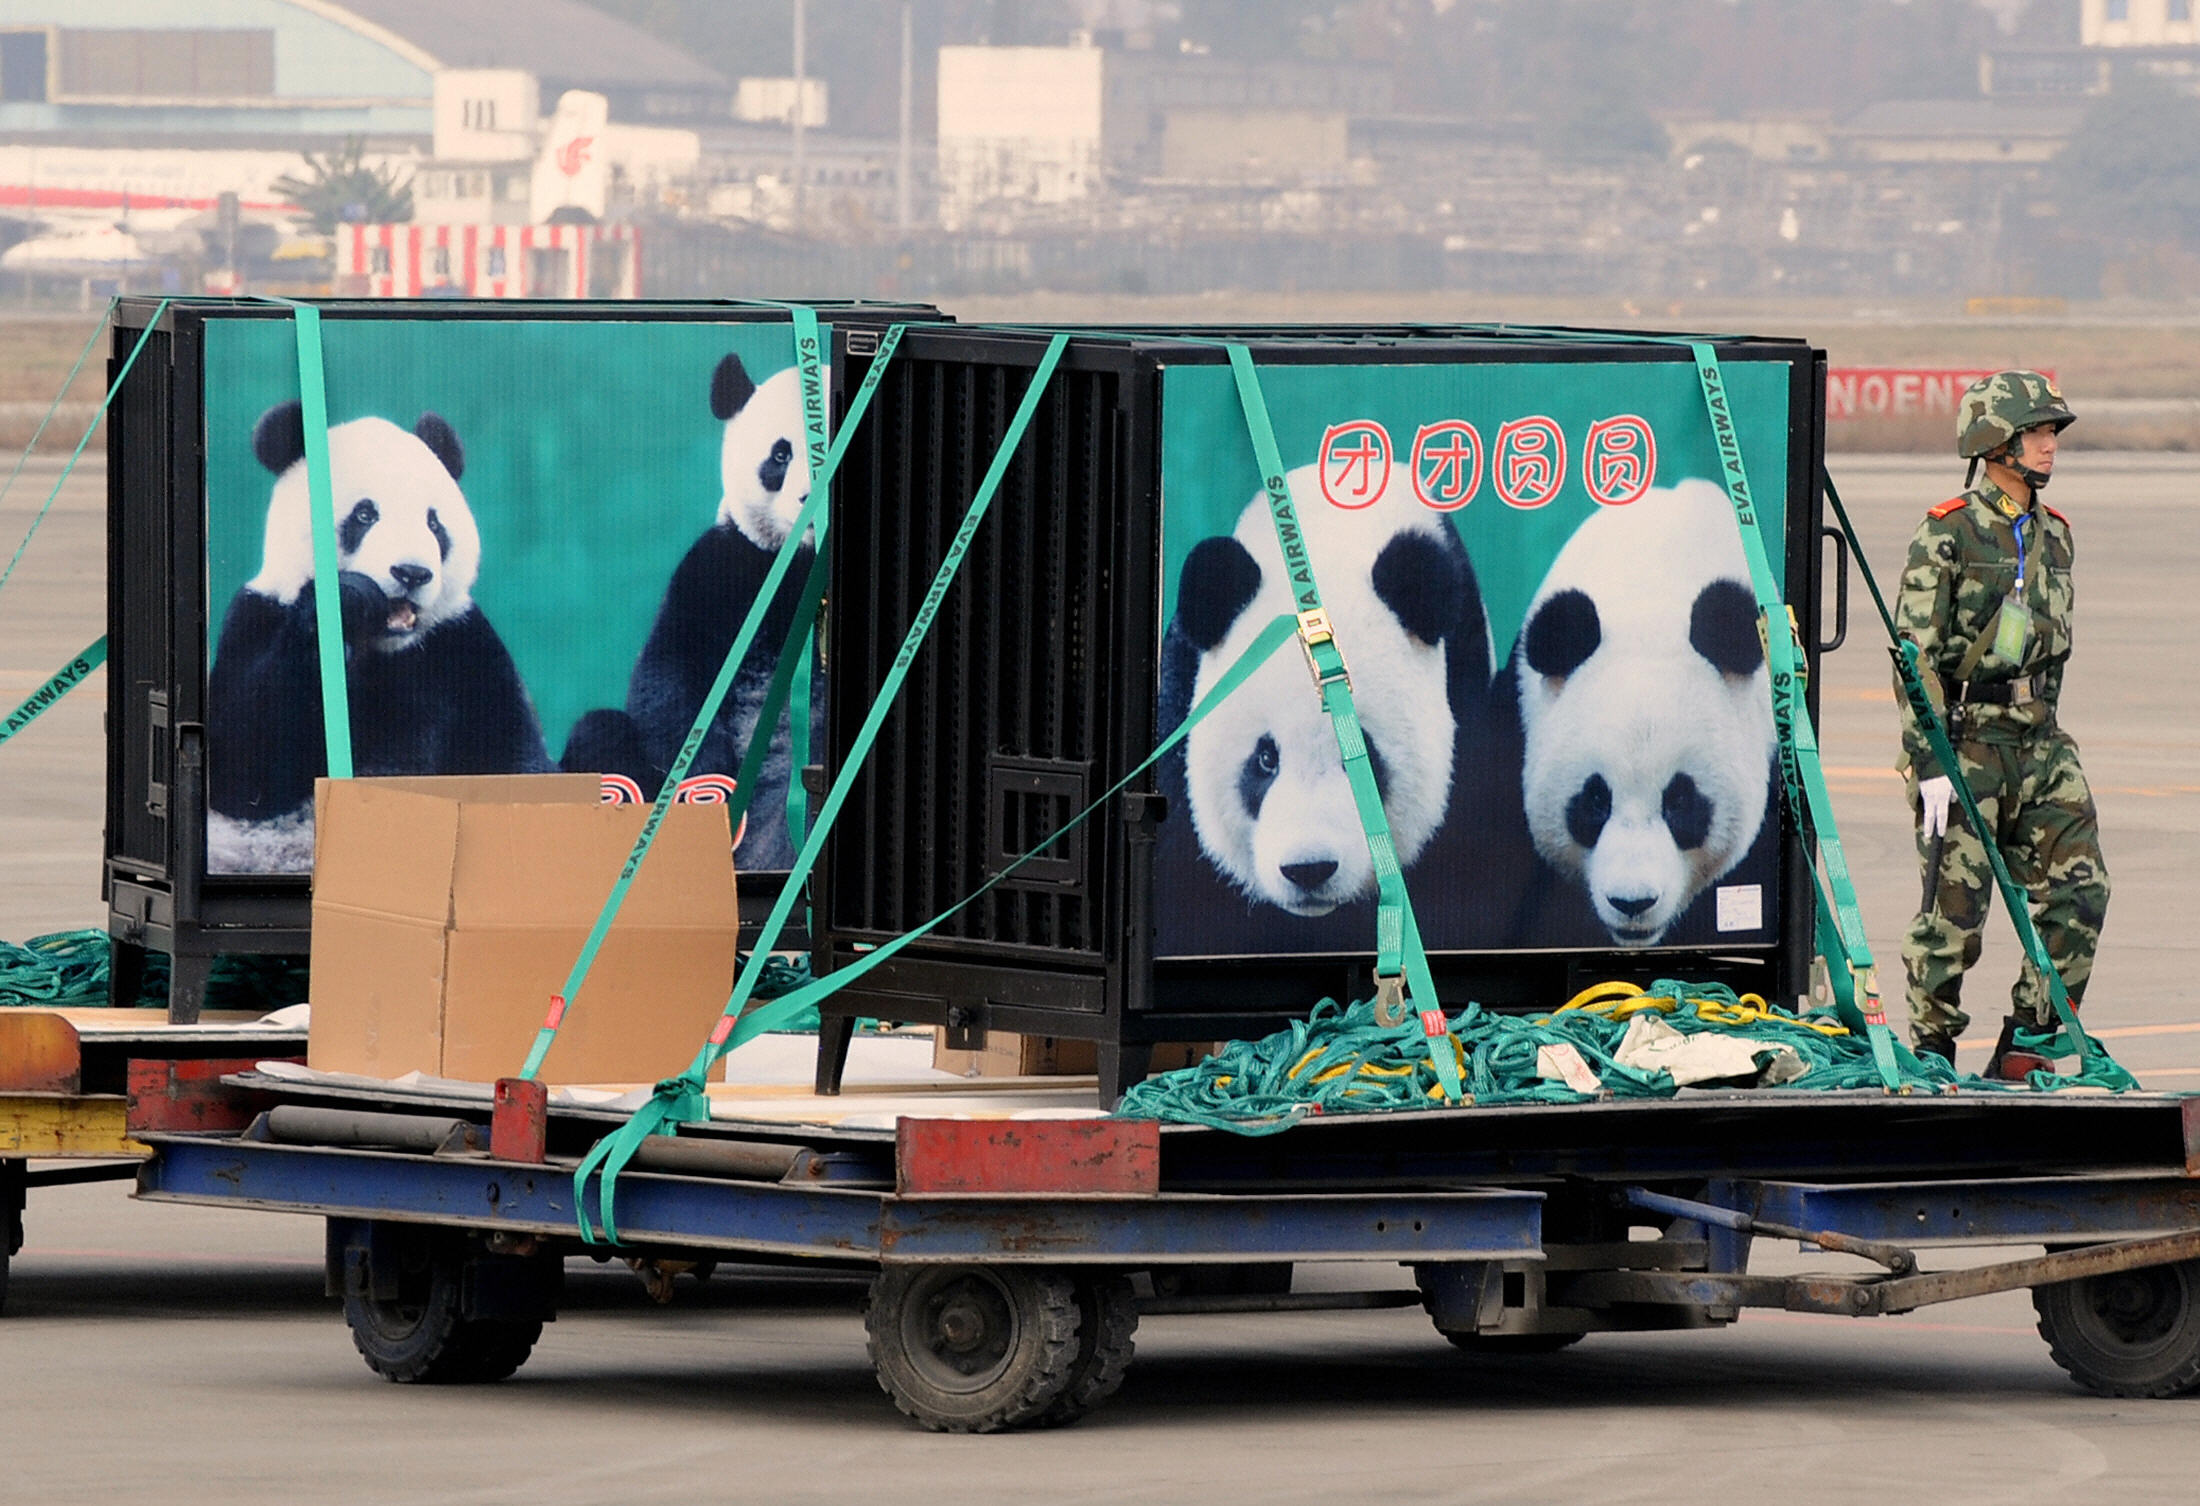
[[1998, 408]]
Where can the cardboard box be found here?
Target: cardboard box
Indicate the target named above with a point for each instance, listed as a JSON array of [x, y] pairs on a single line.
[[448, 911], [1008, 1055]]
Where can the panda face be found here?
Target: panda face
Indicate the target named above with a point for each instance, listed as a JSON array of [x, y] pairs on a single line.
[[1267, 787], [763, 460], [401, 519], [1644, 700]]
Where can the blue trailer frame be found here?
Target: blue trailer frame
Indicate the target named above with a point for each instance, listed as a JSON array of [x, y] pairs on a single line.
[[1525, 1228]]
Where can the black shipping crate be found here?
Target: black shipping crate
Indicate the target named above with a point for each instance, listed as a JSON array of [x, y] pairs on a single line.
[[547, 515], [1536, 579]]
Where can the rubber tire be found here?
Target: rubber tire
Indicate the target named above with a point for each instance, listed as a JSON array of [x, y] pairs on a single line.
[[1031, 1317], [1497, 1345], [2151, 1349], [1107, 1337], [419, 1338]]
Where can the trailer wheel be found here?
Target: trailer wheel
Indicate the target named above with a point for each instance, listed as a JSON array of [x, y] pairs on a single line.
[[418, 1337], [1107, 1330], [973, 1349], [1498, 1344], [2130, 1333]]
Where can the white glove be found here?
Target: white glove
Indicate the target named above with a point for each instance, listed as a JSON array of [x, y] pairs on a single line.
[[1933, 796]]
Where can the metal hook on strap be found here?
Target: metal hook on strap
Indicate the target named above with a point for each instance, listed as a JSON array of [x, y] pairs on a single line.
[[1390, 1002]]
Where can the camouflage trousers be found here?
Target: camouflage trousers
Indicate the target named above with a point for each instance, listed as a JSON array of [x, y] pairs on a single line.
[[2035, 801]]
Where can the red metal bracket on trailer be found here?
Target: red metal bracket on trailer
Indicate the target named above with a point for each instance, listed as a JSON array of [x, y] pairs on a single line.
[[189, 1097], [1026, 1155], [519, 1120]]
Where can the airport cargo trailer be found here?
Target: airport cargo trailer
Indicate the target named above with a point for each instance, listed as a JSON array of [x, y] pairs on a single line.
[[1012, 1258], [533, 476]]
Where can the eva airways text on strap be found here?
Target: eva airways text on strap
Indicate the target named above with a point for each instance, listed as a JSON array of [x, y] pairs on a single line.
[[1802, 774], [80, 665], [1404, 986]]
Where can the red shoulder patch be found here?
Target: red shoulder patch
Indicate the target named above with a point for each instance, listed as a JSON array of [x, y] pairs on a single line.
[[1945, 508], [2058, 517]]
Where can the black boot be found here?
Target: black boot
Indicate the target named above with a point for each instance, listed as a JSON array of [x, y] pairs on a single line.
[[2011, 1063], [1932, 1043]]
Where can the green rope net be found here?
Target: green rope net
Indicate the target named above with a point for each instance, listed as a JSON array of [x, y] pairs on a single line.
[[1340, 1061], [68, 970]]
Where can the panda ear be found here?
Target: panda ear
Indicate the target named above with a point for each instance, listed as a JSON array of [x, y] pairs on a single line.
[[1419, 580], [1722, 626], [730, 388], [1562, 635], [438, 436], [279, 438], [1218, 582]]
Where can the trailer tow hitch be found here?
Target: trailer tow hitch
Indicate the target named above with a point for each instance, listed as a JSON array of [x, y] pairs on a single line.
[[1898, 1260], [1903, 1289]]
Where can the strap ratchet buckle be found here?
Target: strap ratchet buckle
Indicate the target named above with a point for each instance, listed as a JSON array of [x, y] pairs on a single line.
[[1314, 631]]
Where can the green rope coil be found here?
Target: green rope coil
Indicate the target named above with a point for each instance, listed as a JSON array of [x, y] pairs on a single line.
[[69, 970], [1340, 1061]]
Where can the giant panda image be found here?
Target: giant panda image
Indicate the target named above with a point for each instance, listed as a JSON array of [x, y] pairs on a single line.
[[1644, 714], [432, 688], [1262, 849], [764, 474]]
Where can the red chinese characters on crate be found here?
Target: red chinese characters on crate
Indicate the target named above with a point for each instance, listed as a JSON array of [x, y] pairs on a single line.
[[1527, 463]]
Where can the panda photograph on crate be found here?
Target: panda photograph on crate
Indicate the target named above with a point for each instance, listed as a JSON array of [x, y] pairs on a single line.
[[1608, 782], [764, 473], [1273, 847], [1639, 708], [432, 688]]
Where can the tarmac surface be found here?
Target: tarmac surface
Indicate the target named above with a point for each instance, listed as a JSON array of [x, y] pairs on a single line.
[[189, 1353]]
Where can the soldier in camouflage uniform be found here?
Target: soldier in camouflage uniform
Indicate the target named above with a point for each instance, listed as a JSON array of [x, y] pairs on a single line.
[[1986, 597]]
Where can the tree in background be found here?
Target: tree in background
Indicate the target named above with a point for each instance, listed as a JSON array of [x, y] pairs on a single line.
[[2131, 171], [339, 188]]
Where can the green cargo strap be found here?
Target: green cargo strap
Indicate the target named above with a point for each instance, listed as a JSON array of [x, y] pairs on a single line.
[[1802, 773], [680, 1099], [2096, 1067], [57, 685], [1279, 631], [1404, 986], [55, 407], [328, 621], [809, 356], [814, 512], [809, 360]]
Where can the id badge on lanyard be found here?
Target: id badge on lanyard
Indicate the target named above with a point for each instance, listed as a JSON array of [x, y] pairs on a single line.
[[2013, 626]]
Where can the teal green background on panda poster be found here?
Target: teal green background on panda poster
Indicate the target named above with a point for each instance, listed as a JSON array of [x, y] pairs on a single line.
[[1208, 473], [591, 466]]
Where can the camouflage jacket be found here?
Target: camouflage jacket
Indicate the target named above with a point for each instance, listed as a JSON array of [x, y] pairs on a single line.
[[1963, 563]]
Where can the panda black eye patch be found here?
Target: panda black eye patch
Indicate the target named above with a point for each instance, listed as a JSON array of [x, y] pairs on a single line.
[[1722, 626], [442, 534], [1563, 634], [1687, 813], [363, 516], [773, 472], [1588, 811], [1218, 582], [1258, 773]]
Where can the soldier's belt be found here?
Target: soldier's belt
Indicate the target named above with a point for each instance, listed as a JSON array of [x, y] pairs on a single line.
[[2022, 692]]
